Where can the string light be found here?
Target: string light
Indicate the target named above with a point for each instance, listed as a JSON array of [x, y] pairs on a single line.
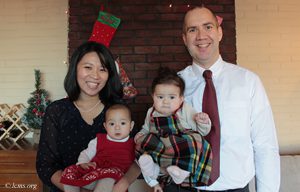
[[171, 5], [66, 11], [187, 5]]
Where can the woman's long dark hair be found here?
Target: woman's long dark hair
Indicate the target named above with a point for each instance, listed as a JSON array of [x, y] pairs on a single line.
[[112, 91]]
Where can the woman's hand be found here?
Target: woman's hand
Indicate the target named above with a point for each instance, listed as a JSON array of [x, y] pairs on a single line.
[[130, 176], [121, 186]]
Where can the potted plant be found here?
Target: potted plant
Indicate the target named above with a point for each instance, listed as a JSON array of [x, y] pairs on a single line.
[[37, 105]]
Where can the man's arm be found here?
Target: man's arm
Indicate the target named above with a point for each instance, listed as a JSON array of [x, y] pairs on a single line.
[[265, 145]]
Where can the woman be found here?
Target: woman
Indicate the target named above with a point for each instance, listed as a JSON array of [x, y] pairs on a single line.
[[92, 84]]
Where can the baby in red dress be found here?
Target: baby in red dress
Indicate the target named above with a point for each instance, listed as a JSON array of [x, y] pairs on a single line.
[[107, 157]]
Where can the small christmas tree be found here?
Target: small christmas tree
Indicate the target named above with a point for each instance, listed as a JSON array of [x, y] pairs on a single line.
[[37, 104]]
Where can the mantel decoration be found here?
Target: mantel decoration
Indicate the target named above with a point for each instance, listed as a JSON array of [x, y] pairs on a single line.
[[37, 105]]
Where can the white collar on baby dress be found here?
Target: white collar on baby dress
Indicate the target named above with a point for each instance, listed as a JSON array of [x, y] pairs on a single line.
[[117, 140]]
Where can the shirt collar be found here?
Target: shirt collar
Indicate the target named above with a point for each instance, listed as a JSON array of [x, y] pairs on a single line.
[[117, 140], [215, 68]]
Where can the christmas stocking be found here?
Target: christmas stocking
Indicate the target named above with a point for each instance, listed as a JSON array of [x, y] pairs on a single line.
[[103, 32], [129, 91], [104, 28]]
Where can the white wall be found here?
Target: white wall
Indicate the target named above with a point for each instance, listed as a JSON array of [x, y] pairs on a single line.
[[268, 42], [33, 35]]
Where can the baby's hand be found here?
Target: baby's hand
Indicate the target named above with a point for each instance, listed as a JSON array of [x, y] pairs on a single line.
[[88, 165], [157, 188], [137, 136], [201, 118]]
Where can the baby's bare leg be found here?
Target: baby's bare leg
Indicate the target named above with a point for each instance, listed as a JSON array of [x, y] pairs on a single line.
[[104, 185], [71, 188]]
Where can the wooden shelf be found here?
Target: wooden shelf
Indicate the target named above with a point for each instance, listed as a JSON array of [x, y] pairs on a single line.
[[17, 167]]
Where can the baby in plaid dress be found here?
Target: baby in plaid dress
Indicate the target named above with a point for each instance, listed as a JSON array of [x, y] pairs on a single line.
[[107, 157], [170, 141]]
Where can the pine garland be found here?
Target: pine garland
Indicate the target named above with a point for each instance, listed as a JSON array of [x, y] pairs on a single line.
[[37, 104]]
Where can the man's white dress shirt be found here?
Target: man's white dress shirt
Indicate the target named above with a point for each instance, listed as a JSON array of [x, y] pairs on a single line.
[[248, 136]]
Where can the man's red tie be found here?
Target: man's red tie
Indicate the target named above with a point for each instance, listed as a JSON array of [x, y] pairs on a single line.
[[210, 106]]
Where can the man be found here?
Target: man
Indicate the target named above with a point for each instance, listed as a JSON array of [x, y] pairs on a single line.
[[248, 142]]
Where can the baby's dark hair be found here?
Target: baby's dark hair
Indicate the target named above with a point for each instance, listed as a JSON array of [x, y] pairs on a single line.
[[120, 106], [170, 77]]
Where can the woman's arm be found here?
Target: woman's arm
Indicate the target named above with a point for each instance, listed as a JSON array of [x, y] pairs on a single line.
[[48, 162], [123, 184], [55, 179]]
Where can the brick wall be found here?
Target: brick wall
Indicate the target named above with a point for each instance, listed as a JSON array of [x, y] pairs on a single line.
[[148, 37]]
